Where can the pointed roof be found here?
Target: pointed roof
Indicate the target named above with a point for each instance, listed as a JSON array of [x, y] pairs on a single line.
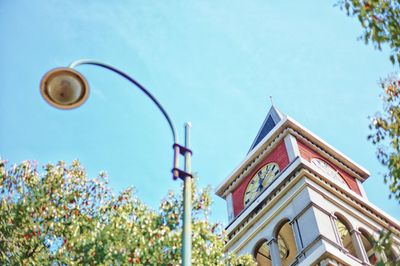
[[273, 117]]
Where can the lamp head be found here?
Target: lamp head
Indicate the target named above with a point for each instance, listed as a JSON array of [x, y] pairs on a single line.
[[64, 88]]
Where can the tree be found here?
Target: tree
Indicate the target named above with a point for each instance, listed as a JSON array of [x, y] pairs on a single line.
[[61, 217], [386, 133], [380, 20]]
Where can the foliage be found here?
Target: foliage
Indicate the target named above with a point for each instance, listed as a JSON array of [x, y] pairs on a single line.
[[61, 217], [380, 20], [384, 245], [386, 133]]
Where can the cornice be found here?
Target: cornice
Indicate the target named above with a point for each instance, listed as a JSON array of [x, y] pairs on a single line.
[[245, 167], [275, 195], [360, 171], [355, 201], [327, 155], [285, 127]]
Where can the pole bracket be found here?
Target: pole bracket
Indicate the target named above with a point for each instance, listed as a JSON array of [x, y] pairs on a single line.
[[176, 172], [182, 149]]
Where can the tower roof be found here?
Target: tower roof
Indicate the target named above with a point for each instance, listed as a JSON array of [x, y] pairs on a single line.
[[273, 117]]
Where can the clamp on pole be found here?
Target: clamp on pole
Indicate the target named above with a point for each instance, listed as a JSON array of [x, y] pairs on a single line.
[[176, 172]]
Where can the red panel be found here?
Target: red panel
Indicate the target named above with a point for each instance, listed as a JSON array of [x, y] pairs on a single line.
[[278, 155], [307, 153]]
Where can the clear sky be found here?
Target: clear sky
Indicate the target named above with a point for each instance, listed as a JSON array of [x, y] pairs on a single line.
[[214, 63]]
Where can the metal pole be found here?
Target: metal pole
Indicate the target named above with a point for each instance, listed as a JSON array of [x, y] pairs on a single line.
[[187, 204]]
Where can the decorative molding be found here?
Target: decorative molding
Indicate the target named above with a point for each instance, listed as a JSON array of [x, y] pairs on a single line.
[[296, 232], [270, 188], [304, 251], [266, 150], [332, 219], [355, 202], [361, 188], [326, 154], [246, 169], [291, 147], [229, 203], [261, 206]]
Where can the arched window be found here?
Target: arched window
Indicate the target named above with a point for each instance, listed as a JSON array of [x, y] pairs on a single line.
[[286, 244], [343, 229], [262, 255], [369, 247], [262, 251]]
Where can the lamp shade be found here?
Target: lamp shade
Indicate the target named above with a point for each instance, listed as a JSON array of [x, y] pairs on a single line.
[[64, 88]]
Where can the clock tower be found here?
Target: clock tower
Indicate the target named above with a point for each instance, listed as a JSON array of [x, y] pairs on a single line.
[[296, 200]]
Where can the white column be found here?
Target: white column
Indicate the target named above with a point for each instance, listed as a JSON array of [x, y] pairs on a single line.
[[229, 203], [297, 236], [291, 147], [357, 242], [334, 228], [360, 186], [296, 233], [274, 252]]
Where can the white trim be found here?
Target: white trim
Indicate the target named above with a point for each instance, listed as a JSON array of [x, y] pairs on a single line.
[[285, 123], [229, 203], [261, 220], [328, 147], [360, 249], [292, 148], [326, 248], [274, 251], [253, 205], [335, 196], [276, 117], [351, 199], [297, 235], [276, 114], [321, 172], [249, 157], [362, 190], [336, 182]]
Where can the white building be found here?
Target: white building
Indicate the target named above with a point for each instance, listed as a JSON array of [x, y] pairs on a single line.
[[296, 200]]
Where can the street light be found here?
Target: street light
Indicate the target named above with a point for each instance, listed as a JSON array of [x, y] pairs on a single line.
[[66, 88]]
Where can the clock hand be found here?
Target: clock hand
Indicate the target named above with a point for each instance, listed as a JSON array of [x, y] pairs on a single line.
[[260, 184]]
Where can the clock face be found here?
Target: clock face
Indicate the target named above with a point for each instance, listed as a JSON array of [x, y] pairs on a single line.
[[329, 171], [259, 181]]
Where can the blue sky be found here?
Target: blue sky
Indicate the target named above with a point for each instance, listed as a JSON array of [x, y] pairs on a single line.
[[214, 63]]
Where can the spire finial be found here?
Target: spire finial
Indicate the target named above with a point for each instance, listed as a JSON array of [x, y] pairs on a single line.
[[270, 98]]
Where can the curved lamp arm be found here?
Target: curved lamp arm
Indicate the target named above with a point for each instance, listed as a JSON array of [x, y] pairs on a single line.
[[66, 88], [143, 89]]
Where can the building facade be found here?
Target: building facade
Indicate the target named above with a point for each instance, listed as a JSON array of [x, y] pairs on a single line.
[[296, 200]]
